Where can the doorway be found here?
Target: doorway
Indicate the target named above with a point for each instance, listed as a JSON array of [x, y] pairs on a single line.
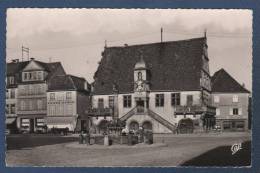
[[140, 106], [31, 125]]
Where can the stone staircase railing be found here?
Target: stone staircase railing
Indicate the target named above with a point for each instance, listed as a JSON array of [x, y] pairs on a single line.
[[128, 114], [161, 120]]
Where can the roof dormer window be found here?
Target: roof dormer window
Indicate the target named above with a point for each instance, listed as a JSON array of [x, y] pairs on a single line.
[[32, 76]]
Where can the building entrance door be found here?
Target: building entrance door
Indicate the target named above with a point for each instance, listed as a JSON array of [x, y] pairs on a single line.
[[31, 125], [140, 106]]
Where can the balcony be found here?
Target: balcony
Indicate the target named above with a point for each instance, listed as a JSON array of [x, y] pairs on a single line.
[[100, 112], [40, 95], [31, 112], [195, 109]]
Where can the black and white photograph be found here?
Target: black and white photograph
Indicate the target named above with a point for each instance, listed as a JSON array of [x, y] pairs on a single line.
[[92, 87]]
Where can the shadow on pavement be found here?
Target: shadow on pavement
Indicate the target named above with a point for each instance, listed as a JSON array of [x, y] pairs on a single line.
[[16, 142], [222, 156]]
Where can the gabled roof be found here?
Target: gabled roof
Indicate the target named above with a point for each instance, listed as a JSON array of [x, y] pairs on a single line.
[[66, 82], [174, 65], [15, 67], [223, 82]]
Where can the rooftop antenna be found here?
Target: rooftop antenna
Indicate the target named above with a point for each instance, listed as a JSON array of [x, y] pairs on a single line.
[[161, 34], [26, 50]]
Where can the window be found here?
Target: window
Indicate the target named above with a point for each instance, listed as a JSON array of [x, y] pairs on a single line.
[[240, 124], [7, 109], [34, 75], [176, 99], [235, 98], [159, 100], [111, 101], [216, 99], [25, 77], [30, 104], [52, 109], [40, 75], [189, 100], [52, 96], [25, 122], [40, 104], [100, 103], [22, 105], [7, 94], [127, 101], [12, 96], [217, 111], [68, 96], [12, 108], [235, 111], [11, 80], [69, 109], [140, 77], [30, 76], [40, 122]]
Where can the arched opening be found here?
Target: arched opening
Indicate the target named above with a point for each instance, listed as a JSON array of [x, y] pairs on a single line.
[[147, 125], [185, 126], [102, 126], [133, 126]]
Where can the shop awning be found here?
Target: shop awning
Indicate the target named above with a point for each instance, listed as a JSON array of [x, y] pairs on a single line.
[[60, 120], [9, 120]]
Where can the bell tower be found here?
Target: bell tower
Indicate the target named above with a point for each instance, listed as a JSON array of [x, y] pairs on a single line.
[[141, 86], [141, 76]]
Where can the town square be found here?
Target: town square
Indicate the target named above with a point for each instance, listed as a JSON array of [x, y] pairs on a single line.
[[87, 88]]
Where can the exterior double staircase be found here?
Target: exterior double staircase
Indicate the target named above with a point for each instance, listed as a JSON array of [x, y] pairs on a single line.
[[153, 115]]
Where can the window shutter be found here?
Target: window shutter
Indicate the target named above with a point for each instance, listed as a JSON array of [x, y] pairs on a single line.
[[230, 111], [240, 111]]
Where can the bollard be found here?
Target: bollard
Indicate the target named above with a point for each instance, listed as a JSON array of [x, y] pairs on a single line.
[[84, 138], [106, 140], [80, 139]]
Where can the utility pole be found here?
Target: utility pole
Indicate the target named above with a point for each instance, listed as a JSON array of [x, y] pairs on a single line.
[[26, 50], [161, 35]]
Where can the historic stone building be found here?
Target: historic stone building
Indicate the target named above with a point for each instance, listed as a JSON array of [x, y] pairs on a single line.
[[68, 98], [231, 100], [164, 86]]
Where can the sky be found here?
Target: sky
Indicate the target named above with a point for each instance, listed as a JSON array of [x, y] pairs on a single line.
[[76, 37]]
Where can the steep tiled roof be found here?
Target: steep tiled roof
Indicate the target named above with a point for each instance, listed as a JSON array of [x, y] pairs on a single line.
[[66, 82], [223, 82], [174, 65], [15, 67]]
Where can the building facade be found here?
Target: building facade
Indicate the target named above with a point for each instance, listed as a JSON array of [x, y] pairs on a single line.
[[231, 101], [68, 98], [164, 87], [32, 93], [12, 80]]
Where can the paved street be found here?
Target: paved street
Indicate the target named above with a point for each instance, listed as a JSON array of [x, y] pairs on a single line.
[[45, 150]]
